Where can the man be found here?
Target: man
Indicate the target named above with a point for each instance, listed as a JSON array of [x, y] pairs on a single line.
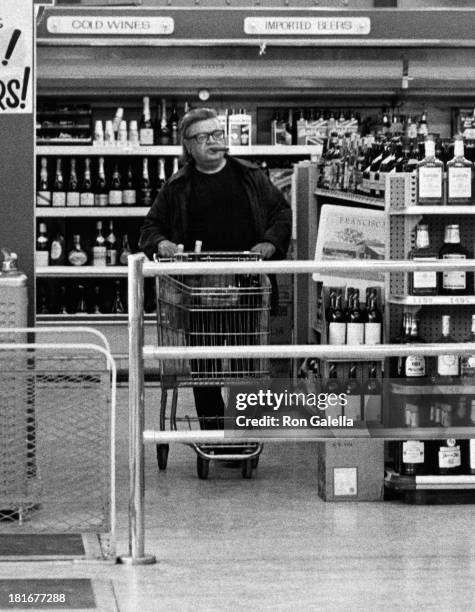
[[227, 203]]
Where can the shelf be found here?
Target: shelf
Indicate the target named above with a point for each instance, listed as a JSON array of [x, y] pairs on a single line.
[[350, 197], [430, 389], [92, 211], [80, 271], [433, 300], [434, 210], [75, 319], [429, 482], [267, 150]]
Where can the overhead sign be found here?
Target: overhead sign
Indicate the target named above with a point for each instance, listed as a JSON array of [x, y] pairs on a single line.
[[308, 26], [109, 25], [16, 57]]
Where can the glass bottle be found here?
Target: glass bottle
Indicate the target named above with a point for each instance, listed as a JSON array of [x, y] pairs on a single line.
[[336, 319], [448, 366], [97, 301], [118, 305], [425, 282], [333, 386], [353, 392], [458, 282], [72, 194], [146, 127], [372, 397], [63, 301], [42, 246], [413, 366], [355, 323], [459, 176], [373, 326], [81, 307], [163, 136], [173, 125], [43, 195], [57, 252], [129, 194], [86, 197], [58, 195], [430, 174], [77, 256], [126, 251], [111, 246], [101, 197], [99, 250], [145, 185], [115, 191]]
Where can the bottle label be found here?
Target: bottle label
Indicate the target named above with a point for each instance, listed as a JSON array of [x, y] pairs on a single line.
[[86, 199], [99, 254], [454, 280], [353, 407], [472, 454], [448, 365], [111, 259], [372, 408], [355, 333], [424, 280], [430, 182], [460, 183], [43, 198], [372, 333], [56, 251], [59, 198], [101, 199], [146, 136], [72, 198], [77, 258], [115, 197], [413, 451], [415, 366], [129, 196], [449, 457], [336, 333], [41, 258]]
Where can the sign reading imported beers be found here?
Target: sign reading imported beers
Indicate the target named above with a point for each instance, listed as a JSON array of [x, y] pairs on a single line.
[[109, 25], [308, 26], [16, 56]]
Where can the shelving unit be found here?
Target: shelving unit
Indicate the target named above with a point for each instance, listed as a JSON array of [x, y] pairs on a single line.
[[93, 211], [350, 198]]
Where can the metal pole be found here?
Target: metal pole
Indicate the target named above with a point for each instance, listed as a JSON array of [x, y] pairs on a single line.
[[136, 554]]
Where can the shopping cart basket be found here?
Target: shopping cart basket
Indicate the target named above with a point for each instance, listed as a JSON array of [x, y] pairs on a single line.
[[211, 310]]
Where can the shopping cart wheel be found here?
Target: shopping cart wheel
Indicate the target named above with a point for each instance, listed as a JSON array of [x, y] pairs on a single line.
[[246, 468], [202, 467], [162, 456]]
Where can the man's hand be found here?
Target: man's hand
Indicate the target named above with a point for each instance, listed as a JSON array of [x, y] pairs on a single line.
[[166, 248], [266, 249]]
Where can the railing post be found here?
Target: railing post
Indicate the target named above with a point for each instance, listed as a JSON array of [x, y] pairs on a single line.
[[136, 554]]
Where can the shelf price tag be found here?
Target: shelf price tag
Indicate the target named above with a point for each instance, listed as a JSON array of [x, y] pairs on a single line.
[[308, 26]]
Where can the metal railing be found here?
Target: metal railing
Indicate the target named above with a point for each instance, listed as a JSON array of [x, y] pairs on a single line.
[[139, 268]]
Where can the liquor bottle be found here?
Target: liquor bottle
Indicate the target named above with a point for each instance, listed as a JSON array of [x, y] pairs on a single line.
[[448, 366], [97, 300], [374, 320], [372, 397], [57, 253], [118, 117], [42, 247], [430, 174], [122, 139], [411, 128], [353, 392], [145, 196], [175, 165], [126, 251], [449, 457], [101, 197], [373, 172], [43, 195], [58, 195], [117, 305], [163, 131], [129, 194], [81, 307], [43, 302], [77, 256], [468, 361], [173, 125], [458, 282], [423, 128], [99, 249], [413, 366], [423, 283], [115, 191], [72, 194], [146, 126], [134, 138], [459, 176], [109, 135], [355, 322], [336, 319], [63, 301], [333, 386], [98, 133], [301, 129], [161, 173], [111, 246], [86, 197]]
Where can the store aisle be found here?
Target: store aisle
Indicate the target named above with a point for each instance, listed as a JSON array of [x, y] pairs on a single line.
[[270, 543]]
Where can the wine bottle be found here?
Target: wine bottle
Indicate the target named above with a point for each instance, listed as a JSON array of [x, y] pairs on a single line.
[[336, 319], [97, 303], [161, 173], [57, 251], [459, 176], [353, 392], [43, 195], [42, 246], [423, 128], [430, 172], [99, 250], [458, 282], [423, 283], [163, 135], [43, 302], [126, 251], [115, 191], [81, 307], [122, 139], [173, 125], [145, 186], [374, 320], [129, 194], [58, 196], [118, 305], [134, 138], [72, 194], [355, 324], [111, 246], [146, 126], [101, 197], [77, 256], [109, 134], [175, 165], [63, 301], [333, 386], [468, 361], [372, 397], [448, 366], [86, 197]]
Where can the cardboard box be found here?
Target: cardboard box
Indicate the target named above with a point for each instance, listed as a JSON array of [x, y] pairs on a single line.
[[351, 470]]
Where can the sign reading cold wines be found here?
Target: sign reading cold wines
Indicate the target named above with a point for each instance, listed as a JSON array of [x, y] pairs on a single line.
[[108, 24], [308, 26]]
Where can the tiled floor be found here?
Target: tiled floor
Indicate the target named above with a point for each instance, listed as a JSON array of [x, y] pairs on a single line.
[[271, 544]]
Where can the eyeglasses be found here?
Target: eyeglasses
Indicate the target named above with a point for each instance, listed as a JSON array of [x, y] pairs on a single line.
[[203, 137]]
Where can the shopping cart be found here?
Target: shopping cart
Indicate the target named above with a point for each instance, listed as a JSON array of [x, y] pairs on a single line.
[[211, 310]]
